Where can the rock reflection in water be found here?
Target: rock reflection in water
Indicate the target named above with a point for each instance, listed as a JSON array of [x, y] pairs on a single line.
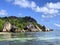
[[6, 36]]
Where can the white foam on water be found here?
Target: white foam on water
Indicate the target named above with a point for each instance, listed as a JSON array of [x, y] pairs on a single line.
[[36, 38], [19, 39], [47, 38]]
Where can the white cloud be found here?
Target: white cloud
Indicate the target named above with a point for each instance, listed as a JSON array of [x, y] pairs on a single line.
[[48, 10], [53, 5], [33, 5], [48, 16], [22, 3], [3, 12], [58, 25], [25, 4]]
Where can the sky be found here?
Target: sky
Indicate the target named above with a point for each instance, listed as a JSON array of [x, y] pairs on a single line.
[[46, 12]]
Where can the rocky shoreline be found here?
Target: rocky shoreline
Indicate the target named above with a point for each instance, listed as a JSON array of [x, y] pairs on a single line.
[[28, 28], [21, 24]]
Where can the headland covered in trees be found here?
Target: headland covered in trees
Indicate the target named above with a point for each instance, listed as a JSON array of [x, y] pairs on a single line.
[[20, 24]]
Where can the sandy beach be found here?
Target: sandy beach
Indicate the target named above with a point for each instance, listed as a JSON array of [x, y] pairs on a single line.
[[5, 32]]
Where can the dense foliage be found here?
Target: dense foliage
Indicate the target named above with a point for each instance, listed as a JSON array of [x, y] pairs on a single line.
[[19, 21]]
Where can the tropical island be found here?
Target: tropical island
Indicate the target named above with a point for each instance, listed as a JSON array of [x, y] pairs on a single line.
[[20, 24]]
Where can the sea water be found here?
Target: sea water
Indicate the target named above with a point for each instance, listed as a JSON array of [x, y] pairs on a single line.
[[31, 38]]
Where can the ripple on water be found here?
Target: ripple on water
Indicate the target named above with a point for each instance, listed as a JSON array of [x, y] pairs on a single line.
[[31, 38], [32, 41]]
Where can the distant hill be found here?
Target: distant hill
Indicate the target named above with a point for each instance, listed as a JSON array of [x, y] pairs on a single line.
[[20, 22]]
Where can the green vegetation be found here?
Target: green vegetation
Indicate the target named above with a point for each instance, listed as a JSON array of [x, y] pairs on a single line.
[[20, 22]]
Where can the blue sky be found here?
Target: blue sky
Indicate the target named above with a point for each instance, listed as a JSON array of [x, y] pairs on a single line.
[[46, 12]]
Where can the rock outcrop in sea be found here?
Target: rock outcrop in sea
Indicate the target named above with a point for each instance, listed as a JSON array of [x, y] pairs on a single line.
[[7, 27], [32, 28]]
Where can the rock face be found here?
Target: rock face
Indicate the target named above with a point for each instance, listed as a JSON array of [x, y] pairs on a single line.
[[30, 27], [7, 27], [15, 29], [10, 28], [38, 28]]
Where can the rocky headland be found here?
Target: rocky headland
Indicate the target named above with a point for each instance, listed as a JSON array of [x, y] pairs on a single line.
[[21, 24]]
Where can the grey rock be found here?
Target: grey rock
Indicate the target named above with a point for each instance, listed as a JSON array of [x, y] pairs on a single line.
[[7, 27]]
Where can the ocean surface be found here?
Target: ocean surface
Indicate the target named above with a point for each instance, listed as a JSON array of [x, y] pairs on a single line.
[[31, 38]]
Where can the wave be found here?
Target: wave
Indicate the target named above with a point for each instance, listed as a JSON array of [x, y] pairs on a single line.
[[31, 38]]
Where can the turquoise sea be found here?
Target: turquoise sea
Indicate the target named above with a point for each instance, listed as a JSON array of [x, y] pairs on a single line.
[[31, 38]]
